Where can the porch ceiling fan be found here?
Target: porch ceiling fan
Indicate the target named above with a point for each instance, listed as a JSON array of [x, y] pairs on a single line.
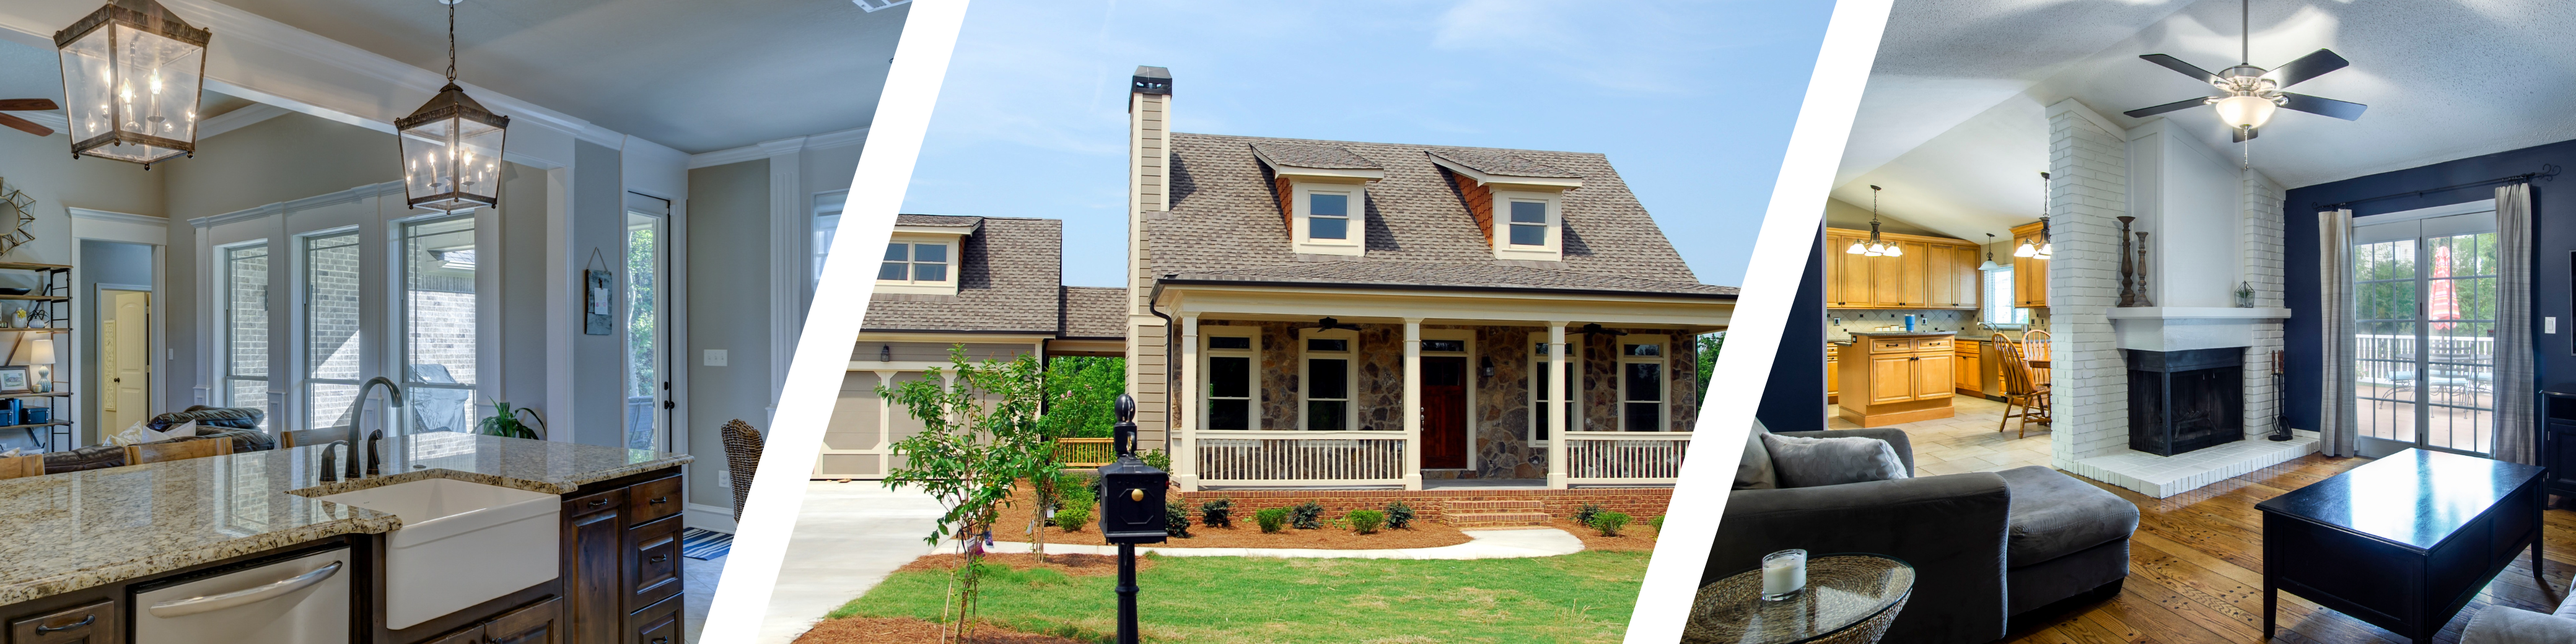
[[1596, 329], [1329, 324], [2248, 94], [27, 105]]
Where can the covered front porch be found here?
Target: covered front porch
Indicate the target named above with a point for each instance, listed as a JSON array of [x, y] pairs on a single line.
[[1312, 388]]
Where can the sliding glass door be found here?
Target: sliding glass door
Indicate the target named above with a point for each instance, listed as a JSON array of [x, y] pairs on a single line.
[[2424, 332]]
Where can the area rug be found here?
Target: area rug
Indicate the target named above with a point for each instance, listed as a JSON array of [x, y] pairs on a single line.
[[703, 545]]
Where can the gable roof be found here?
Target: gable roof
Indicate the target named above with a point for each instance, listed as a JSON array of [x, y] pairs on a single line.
[[1225, 223], [1094, 312]]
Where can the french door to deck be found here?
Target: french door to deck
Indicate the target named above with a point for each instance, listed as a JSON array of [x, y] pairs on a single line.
[[649, 403], [2424, 332]]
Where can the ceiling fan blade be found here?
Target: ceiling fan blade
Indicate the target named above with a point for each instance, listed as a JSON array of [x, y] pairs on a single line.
[[28, 104], [2345, 110], [2306, 67], [24, 125], [2144, 112], [2187, 69], [2244, 134]]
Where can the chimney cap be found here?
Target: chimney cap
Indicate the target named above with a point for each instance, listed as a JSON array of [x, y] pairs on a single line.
[[1152, 80]]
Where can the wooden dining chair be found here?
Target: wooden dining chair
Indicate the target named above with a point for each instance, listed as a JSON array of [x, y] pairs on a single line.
[[2034, 350], [305, 437], [2021, 387], [178, 451], [22, 466]]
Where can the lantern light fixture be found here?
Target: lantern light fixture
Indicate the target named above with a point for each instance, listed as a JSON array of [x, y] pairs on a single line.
[[131, 75], [451, 146], [1875, 247]]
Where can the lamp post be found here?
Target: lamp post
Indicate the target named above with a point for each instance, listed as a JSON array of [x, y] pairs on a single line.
[[1131, 510]]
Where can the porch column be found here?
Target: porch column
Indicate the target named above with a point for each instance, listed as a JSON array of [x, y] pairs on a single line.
[[1413, 403], [1185, 421], [1564, 391]]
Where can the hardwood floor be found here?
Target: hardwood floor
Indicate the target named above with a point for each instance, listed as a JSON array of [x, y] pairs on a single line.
[[2195, 573]]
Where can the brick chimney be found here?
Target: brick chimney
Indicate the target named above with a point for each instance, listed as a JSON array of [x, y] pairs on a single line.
[[1149, 162]]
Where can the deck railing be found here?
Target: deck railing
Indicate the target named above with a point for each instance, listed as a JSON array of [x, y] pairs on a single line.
[[1624, 457], [1085, 452], [1300, 458]]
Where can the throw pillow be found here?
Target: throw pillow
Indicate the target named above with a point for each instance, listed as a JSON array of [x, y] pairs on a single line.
[[1754, 471], [1812, 462], [137, 434]]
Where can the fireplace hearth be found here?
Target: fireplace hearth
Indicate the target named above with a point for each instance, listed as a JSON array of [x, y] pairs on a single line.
[[2181, 401]]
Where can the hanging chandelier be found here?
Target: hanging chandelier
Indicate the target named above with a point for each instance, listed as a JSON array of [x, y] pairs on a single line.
[[1874, 247], [131, 72], [451, 146], [2044, 249]]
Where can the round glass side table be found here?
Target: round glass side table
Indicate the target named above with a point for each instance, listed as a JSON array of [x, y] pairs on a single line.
[[1849, 599]]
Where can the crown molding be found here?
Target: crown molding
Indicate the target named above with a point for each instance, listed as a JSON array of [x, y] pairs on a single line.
[[238, 119], [767, 149], [118, 217]]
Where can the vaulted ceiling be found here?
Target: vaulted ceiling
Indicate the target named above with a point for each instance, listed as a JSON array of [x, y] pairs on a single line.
[[1953, 122]]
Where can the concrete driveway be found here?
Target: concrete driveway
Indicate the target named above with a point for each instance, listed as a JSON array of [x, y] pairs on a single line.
[[849, 537]]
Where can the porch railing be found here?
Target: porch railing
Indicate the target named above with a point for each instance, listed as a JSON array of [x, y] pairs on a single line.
[[1085, 452], [1301, 458], [1624, 457]]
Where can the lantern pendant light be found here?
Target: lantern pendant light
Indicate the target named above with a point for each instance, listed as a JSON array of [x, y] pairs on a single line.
[[451, 146], [1876, 248], [131, 72]]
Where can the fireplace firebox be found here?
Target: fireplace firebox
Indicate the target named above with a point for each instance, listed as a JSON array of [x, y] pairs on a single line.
[[2181, 401]]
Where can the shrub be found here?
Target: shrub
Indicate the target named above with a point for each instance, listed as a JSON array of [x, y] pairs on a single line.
[[1176, 519], [1608, 522], [1071, 517], [1399, 516], [1583, 515], [1307, 516], [1365, 521], [1157, 458], [1657, 522], [1271, 519], [1217, 514]]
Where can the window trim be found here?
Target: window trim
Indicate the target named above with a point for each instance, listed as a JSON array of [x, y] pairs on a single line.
[[1663, 394], [1553, 250], [302, 322], [1986, 314], [1301, 201], [1350, 374], [956, 252], [1207, 385], [400, 232], [225, 336], [1574, 374]]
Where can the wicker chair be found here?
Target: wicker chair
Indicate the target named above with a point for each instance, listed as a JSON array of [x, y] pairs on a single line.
[[22, 466], [742, 460], [2022, 387]]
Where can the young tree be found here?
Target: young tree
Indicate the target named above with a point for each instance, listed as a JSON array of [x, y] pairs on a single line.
[[980, 435]]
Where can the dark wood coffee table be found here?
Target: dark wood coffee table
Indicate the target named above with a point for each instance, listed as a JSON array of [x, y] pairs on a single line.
[[2402, 542]]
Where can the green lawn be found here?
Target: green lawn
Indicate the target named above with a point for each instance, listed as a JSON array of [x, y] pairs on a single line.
[[1582, 597]]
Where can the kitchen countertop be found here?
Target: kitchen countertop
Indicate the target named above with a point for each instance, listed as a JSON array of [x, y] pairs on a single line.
[[75, 530], [1895, 333]]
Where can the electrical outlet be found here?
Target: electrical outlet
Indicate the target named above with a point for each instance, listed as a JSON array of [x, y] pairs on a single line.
[[2549, 324], [716, 358], [724, 478]]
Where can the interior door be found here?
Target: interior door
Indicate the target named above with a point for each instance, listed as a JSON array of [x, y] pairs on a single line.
[[124, 353], [1444, 412]]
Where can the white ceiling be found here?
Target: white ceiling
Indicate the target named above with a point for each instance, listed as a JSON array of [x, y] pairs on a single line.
[[1952, 124]]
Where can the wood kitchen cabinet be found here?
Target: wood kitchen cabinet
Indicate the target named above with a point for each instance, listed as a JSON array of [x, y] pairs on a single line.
[[537, 623], [1967, 364], [622, 561], [1932, 273], [1898, 378], [1833, 373], [92, 623], [2030, 274]]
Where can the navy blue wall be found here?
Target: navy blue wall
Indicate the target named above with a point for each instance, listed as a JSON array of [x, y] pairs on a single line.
[[2550, 270], [1794, 400]]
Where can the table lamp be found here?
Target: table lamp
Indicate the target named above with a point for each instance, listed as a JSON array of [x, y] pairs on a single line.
[[41, 354]]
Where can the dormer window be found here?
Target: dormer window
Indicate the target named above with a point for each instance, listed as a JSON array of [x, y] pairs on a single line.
[[1529, 223], [924, 255], [1328, 216], [1519, 203], [916, 263], [1323, 194]]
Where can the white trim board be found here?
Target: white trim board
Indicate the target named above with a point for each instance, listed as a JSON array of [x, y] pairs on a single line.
[[710, 517], [766, 149]]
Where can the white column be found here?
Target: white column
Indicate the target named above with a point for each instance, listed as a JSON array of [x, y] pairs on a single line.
[[1185, 452], [1413, 403], [789, 210], [1556, 420]]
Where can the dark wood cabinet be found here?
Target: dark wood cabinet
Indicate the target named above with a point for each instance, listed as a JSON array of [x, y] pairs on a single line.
[[93, 623], [622, 560], [536, 623], [593, 559], [2558, 442], [659, 623]]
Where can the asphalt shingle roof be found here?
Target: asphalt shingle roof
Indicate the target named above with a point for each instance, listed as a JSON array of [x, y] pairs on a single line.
[[1094, 312], [1305, 155], [1436, 276], [937, 220], [1500, 163], [1010, 274]]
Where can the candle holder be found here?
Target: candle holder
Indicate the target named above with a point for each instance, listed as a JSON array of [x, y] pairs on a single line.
[[1784, 574]]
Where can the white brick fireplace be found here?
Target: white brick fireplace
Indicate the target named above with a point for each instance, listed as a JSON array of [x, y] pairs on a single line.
[[2212, 227]]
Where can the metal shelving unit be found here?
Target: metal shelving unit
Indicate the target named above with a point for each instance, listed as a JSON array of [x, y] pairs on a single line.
[[50, 300]]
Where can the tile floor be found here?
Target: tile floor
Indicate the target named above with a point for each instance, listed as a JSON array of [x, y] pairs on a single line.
[[699, 578], [1967, 442]]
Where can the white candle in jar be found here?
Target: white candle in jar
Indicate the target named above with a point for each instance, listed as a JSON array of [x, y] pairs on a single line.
[[1784, 573]]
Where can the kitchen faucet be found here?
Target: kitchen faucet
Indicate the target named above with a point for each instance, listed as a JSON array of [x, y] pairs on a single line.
[[393, 400], [331, 465]]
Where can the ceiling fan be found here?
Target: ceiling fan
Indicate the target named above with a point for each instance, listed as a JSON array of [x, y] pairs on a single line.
[[2250, 94], [1328, 324], [26, 105]]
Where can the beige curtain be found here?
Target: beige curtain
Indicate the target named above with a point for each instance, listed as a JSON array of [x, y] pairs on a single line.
[[2335, 413], [2517, 432]]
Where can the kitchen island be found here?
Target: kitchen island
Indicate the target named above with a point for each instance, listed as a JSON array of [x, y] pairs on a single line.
[[82, 544], [1889, 377]]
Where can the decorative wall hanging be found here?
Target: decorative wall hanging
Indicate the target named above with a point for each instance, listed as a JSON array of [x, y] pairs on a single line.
[[451, 146], [131, 73], [15, 224], [596, 298]]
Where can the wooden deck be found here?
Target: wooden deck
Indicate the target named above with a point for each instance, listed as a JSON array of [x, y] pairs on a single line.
[[2195, 574]]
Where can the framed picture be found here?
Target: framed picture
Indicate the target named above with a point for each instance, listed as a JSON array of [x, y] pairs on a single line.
[[596, 303], [14, 380]]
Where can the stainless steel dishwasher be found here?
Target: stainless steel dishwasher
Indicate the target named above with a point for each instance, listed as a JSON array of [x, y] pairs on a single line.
[[294, 598]]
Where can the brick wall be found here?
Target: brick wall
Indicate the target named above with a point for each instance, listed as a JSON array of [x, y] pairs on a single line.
[[1432, 505], [2089, 165], [2263, 257]]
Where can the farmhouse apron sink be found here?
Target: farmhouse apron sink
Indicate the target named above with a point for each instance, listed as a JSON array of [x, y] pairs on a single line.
[[460, 544]]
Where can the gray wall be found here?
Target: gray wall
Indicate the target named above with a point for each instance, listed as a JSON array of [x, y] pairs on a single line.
[[729, 309], [110, 263], [599, 224], [523, 252]]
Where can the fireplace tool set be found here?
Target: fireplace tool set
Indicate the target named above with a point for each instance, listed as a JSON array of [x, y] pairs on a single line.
[[2280, 412]]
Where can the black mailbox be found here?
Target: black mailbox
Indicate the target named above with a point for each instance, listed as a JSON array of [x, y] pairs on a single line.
[[1131, 492]]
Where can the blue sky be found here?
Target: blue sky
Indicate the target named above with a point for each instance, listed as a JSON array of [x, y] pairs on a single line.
[[1692, 101]]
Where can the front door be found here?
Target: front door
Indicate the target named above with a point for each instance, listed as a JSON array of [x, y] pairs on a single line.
[[1444, 412]]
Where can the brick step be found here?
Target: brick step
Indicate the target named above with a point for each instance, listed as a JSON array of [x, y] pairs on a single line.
[[1514, 505], [1498, 519]]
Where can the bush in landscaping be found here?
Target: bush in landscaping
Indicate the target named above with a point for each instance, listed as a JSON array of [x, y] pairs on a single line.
[[1399, 516], [1608, 522], [1365, 521], [1176, 519], [1217, 514], [1071, 517], [1271, 519], [1307, 516], [1157, 458], [1657, 522], [1583, 515]]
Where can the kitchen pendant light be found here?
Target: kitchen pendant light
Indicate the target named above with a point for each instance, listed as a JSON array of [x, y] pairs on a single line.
[[1990, 255], [131, 73], [1876, 247], [2047, 248], [451, 146]]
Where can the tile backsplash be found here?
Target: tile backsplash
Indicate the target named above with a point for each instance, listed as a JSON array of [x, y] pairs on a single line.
[[1839, 323]]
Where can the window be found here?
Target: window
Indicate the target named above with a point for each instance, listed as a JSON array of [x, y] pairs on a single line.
[[908, 262], [1529, 223], [827, 220], [646, 384], [1331, 364], [1999, 309], [245, 334], [1541, 395], [1328, 215], [1641, 385], [1444, 346], [439, 318], [1233, 370], [334, 346]]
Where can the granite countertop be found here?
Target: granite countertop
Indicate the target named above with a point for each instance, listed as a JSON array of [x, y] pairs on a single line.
[[80, 529], [1903, 332]]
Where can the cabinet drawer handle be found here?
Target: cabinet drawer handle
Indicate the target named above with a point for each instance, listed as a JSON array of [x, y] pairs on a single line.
[[662, 640], [661, 500], [85, 621], [659, 558], [598, 503]]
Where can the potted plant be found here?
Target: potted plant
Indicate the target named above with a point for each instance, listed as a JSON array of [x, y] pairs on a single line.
[[504, 421]]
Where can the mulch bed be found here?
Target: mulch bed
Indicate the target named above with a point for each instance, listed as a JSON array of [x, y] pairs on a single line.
[[905, 630], [1070, 565], [1636, 537], [1012, 526]]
